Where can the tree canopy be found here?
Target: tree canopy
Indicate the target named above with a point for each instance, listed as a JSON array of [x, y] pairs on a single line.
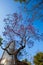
[[20, 1], [25, 60], [20, 27], [38, 58]]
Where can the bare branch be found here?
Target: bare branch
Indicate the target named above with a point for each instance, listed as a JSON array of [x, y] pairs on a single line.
[[18, 50], [15, 52], [6, 51]]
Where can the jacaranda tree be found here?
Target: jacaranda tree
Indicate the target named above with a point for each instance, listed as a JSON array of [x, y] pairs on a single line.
[[20, 29]]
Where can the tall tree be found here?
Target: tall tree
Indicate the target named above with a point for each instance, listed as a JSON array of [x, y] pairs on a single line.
[[20, 29], [21, 32]]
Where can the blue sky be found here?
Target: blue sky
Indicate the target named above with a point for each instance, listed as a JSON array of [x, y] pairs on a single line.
[[6, 7], [9, 7]]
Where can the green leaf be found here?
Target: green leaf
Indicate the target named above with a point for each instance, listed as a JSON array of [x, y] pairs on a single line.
[[20, 1], [1, 41], [38, 58]]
